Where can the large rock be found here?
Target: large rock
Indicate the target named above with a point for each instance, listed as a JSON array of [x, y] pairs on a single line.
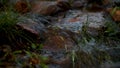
[[98, 5], [45, 7], [57, 45], [22, 6], [98, 2], [57, 40], [32, 27], [64, 4], [78, 4], [76, 19]]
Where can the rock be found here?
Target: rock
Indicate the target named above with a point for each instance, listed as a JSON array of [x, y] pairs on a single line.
[[115, 14], [115, 3], [57, 46], [34, 61], [22, 6], [114, 53], [62, 0], [61, 62], [106, 2], [76, 19], [95, 8], [58, 40], [63, 4], [77, 4], [53, 9], [45, 7], [95, 5], [31, 27], [110, 65], [94, 31], [56, 43], [99, 2]]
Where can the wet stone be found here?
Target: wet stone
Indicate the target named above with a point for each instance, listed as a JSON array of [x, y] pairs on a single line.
[[60, 58], [57, 46], [57, 40], [115, 15], [31, 26], [63, 4], [76, 19], [57, 43], [45, 7], [110, 65], [78, 4], [22, 6], [114, 53]]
